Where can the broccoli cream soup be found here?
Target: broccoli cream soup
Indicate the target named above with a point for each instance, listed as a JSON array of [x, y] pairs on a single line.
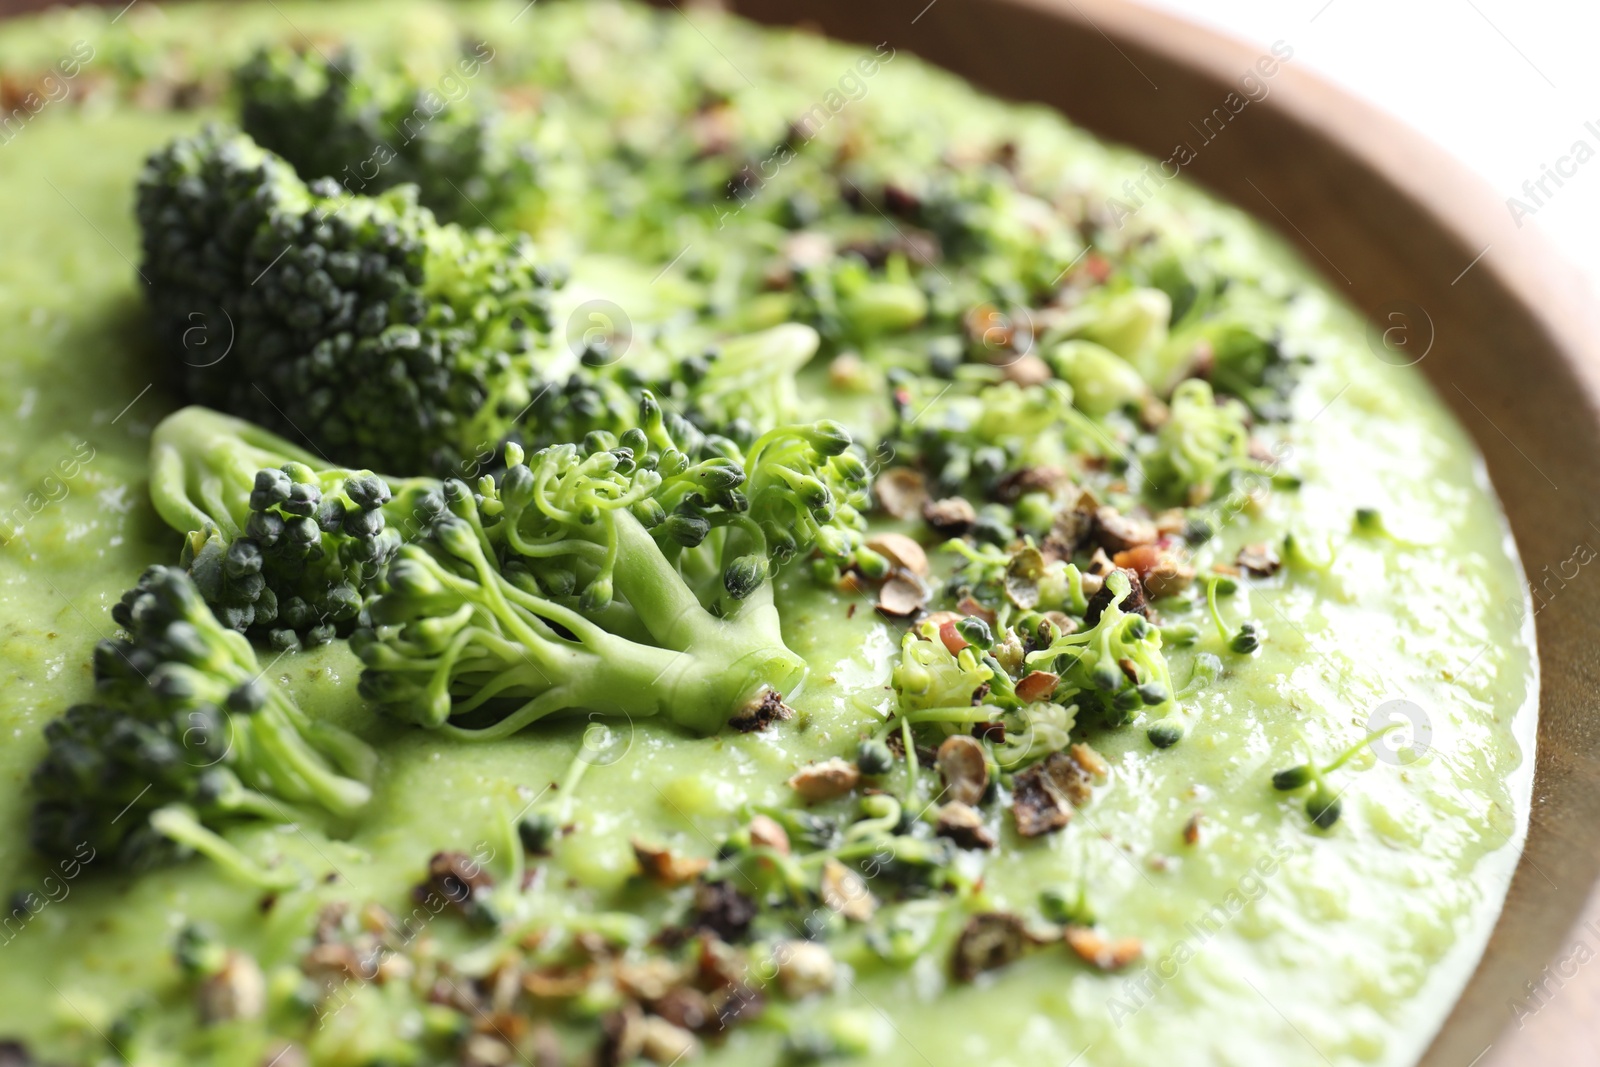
[[578, 534]]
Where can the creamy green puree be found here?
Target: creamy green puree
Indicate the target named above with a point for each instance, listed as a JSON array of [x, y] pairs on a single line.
[[1264, 938]]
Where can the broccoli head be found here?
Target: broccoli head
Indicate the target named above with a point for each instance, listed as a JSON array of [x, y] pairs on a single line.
[[359, 324], [622, 576], [372, 129], [971, 432], [185, 737], [283, 547], [1202, 442]]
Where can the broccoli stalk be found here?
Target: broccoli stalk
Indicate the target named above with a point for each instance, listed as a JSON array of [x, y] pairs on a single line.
[[281, 546], [382, 337], [184, 739], [625, 578]]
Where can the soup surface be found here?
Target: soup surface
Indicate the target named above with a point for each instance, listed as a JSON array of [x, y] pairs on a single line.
[[1253, 935]]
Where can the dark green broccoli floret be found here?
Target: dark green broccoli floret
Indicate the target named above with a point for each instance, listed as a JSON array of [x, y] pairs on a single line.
[[623, 577], [361, 325], [371, 129], [970, 433], [281, 546], [185, 738]]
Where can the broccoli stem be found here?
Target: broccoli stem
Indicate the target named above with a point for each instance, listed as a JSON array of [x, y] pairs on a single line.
[[179, 825], [699, 670]]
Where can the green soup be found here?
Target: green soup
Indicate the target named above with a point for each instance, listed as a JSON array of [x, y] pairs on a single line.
[[1264, 938]]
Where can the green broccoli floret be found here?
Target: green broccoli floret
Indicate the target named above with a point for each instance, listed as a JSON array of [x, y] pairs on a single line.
[[1203, 441], [618, 576], [281, 546], [1011, 582], [1116, 666], [950, 675], [969, 433], [361, 325], [748, 385], [185, 738], [372, 129]]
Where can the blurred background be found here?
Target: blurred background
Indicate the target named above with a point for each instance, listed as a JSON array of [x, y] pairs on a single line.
[[1510, 87]]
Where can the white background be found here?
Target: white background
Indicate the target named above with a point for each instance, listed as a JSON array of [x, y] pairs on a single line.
[[1504, 85]]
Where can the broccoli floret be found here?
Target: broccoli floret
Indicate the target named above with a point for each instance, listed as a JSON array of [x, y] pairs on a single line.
[[372, 129], [746, 386], [1115, 666], [624, 577], [1009, 582], [281, 546], [361, 325], [944, 678], [185, 738], [1202, 442], [968, 434]]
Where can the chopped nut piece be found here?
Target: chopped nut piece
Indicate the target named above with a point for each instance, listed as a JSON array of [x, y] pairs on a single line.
[[765, 832], [736, 1004], [950, 637], [1089, 760], [1153, 413], [1018, 484], [844, 891], [1101, 952], [662, 1042], [804, 967], [1100, 565], [988, 941], [952, 516], [664, 867], [723, 911], [648, 979], [1134, 603], [847, 373], [901, 551], [1117, 532], [969, 606], [963, 825], [237, 991], [1172, 522], [965, 769], [1191, 829], [333, 962], [621, 1036], [824, 781], [1038, 807], [455, 877], [557, 982], [687, 1007], [1160, 571], [1022, 577], [1037, 685], [1043, 795], [808, 248], [1071, 531], [762, 711], [1027, 370], [901, 492], [1260, 560], [901, 597]]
